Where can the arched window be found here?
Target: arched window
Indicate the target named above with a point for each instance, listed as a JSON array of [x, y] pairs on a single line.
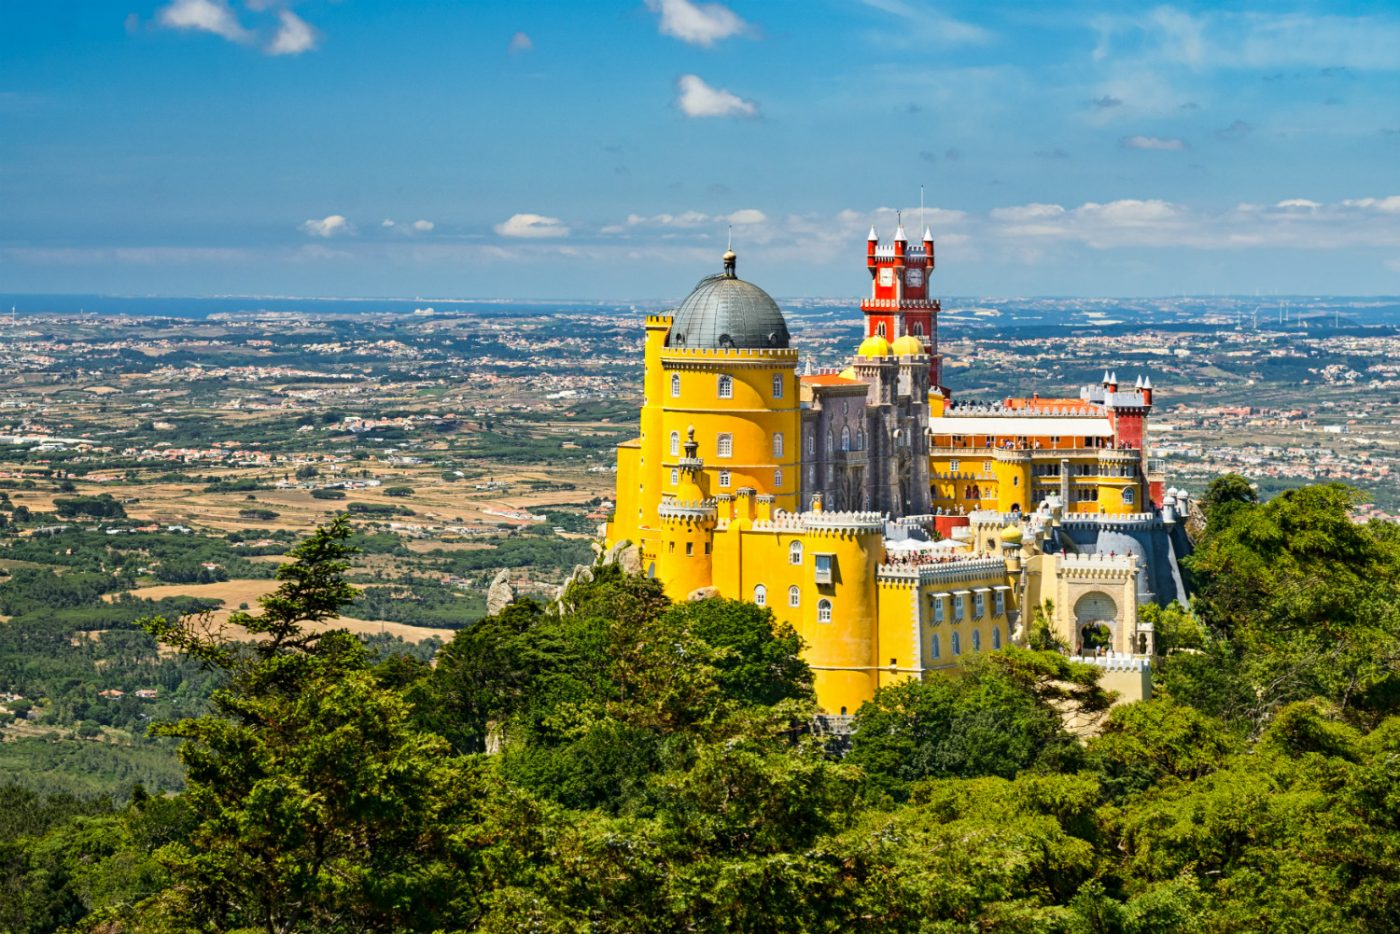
[[957, 644], [918, 329], [675, 443], [823, 610], [724, 479], [812, 475], [830, 445], [726, 387], [675, 476], [976, 640], [880, 329], [760, 595], [996, 637], [860, 440], [777, 385], [724, 445], [811, 442], [845, 438], [778, 479], [1129, 496], [935, 648], [794, 595], [675, 385], [795, 553], [778, 444]]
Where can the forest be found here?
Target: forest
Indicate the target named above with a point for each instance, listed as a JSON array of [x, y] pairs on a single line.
[[612, 762]]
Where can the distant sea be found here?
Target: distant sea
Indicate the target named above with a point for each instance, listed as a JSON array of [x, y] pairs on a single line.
[[166, 307]]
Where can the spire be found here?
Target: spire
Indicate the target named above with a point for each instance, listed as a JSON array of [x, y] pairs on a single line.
[[1147, 382], [874, 237], [928, 234], [899, 235], [1138, 383], [730, 256], [1105, 377]]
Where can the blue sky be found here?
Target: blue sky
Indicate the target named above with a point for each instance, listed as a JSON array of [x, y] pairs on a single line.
[[593, 149]]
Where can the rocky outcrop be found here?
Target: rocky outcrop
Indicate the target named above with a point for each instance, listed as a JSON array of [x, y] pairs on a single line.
[[501, 594], [702, 593], [625, 555]]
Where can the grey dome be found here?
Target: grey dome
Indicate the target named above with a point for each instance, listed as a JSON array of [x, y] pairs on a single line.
[[725, 311]]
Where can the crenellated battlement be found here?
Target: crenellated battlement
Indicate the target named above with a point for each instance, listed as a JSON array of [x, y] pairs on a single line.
[[687, 511], [953, 570]]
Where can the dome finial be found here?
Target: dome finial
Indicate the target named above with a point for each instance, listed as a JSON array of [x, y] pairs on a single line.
[[729, 255]]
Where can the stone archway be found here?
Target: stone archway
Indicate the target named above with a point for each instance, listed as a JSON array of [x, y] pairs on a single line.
[[1096, 622]]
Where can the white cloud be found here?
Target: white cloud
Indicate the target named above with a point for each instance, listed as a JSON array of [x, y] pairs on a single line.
[[519, 42], [1153, 142], [698, 99], [213, 16], [387, 223], [1302, 203], [1027, 212], [1390, 205], [747, 216], [925, 26], [701, 24], [423, 226], [329, 226], [294, 35], [532, 225]]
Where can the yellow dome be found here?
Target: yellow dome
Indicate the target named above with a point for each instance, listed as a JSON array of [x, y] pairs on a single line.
[[907, 346], [874, 346], [848, 373], [1011, 535]]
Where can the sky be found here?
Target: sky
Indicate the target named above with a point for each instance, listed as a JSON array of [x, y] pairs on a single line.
[[592, 149]]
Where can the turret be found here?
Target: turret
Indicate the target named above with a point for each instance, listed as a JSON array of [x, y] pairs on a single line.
[[1147, 390], [928, 248], [871, 242]]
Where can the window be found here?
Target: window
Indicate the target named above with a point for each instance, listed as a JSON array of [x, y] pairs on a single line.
[[724, 445], [811, 442], [823, 610], [675, 476], [812, 475], [823, 565], [845, 438], [986, 466], [726, 387], [976, 640], [777, 385], [860, 440], [953, 466], [794, 595], [999, 603], [675, 385], [724, 479], [938, 609], [979, 606], [1129, 496], [689, 548], [880, 329], [675, 443], [957, 644], [778, 444], [1054, 441], [918, 329], [935, 646], [958, 608], [795, 553], [760, 595], [996, 637], [778, 479]]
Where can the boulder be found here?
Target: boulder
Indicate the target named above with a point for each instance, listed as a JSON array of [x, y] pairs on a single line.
[[702, 593], [501, 594]]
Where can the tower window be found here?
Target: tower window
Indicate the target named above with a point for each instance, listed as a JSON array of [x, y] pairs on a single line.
[[675, 443], [829, 443], [812, 475], [845, 438], [724, 445], [979, 606], [999, 603], [996, 637], [726, 387], [675, 385], [823, 564], [675, 476], [760, 595], [778, 444], [795, 553], [823, 610], [880, 329], [777, 385], [1129, 496], [860, 440], [724, 479], [918, 329], [778, 479], [937, 611], [958, 607], [811, 442], [794, 595]]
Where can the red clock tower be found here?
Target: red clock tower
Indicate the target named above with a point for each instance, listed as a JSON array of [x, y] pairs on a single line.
[[899, 301]]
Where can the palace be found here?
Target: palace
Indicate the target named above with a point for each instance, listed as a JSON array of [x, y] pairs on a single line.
[[896, 530]]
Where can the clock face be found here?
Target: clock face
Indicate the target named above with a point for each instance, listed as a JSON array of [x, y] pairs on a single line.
[[914, 277], [886, 275]]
